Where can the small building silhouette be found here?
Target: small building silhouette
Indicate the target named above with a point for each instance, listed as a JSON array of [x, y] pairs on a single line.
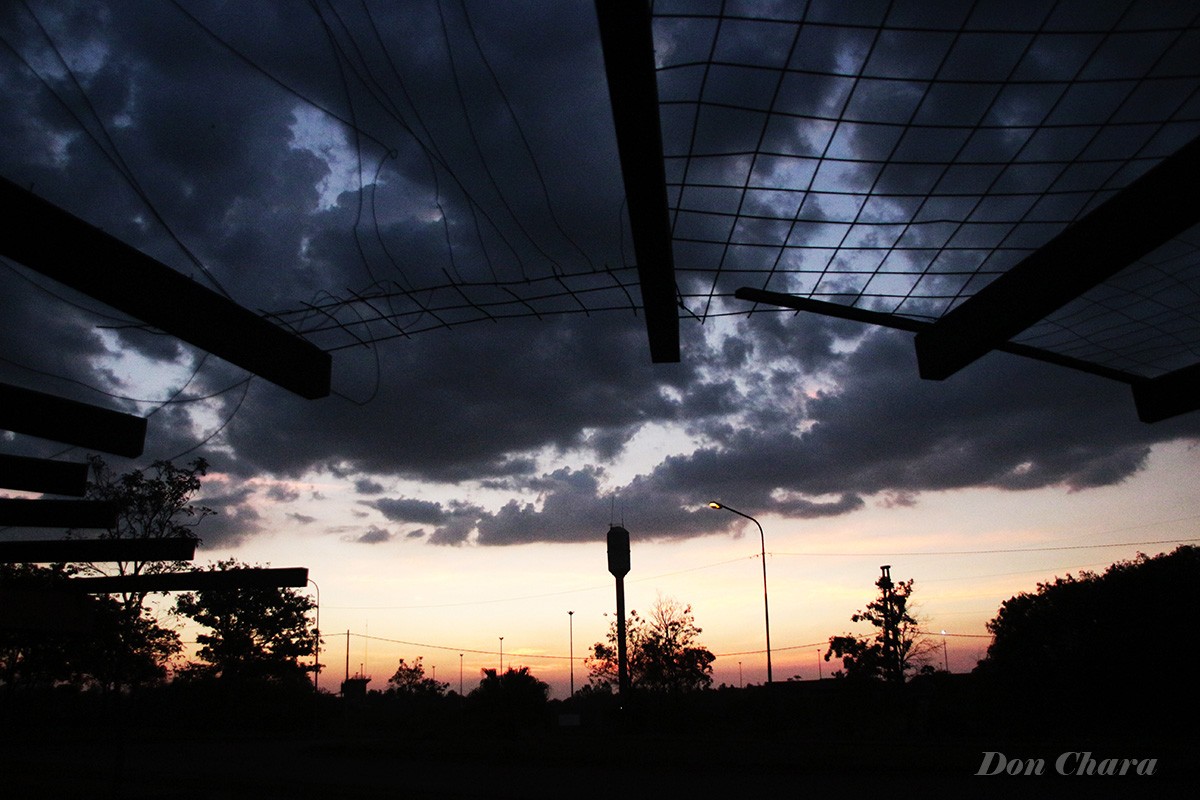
[[355, 688]]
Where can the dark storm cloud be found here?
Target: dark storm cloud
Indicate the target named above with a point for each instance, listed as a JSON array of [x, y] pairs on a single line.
[[796, 415], [235, 521], [402, 509], [1006, 423]]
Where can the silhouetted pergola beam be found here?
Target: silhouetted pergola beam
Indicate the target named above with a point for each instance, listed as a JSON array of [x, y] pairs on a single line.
[[220, 580], [627, 40], [43, 475], [1144, 215], [57, 513], [1168, 395], [59, 419], [918, 326], [61, 246], [62, 551]]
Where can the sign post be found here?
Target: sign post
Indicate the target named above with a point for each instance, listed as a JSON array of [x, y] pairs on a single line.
[[618, 565]]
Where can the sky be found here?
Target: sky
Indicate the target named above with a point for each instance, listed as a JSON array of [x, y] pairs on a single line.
[[457, 485]]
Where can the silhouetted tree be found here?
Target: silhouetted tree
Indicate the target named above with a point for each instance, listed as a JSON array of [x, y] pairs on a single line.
[[1061, 654], [112, 649], [663, 651], [31, 657], [1066, 629], [897, 648], [515, 696], [409, 680], [132, 646], [256, 634], [153, 505]]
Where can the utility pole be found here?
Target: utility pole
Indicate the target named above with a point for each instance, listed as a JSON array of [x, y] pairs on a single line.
[[891, 644]]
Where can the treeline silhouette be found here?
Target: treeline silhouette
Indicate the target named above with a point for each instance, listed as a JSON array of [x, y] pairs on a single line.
[[1093, 662]]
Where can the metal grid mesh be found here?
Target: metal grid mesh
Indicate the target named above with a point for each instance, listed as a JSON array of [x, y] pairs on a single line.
[[897, 157]]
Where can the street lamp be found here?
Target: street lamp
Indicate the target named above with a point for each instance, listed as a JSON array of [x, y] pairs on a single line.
[[571, 621], [501, 672], [766, 609]]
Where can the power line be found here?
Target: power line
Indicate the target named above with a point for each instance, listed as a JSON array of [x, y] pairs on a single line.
[[550, 656], [986, 552], [544, 594]]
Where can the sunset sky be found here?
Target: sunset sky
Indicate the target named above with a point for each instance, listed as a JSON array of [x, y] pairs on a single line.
[[457, 486]]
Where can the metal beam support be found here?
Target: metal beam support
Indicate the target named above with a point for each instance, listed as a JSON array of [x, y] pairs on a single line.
[[43, 475], [1168, 395], [57, 513], [62, 551], [917, 326], [50, 417], [61, 246], [627, 39], [1150, 211], [219, 580]]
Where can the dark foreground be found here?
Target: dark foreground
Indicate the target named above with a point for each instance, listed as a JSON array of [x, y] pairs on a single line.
[[791, 741]]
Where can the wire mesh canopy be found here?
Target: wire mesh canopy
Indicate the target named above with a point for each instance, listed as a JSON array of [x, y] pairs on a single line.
[[986, 175]]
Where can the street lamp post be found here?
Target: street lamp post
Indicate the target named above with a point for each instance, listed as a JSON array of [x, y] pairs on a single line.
[[571, 621], [945, 654], [501, 672], [762, 538]]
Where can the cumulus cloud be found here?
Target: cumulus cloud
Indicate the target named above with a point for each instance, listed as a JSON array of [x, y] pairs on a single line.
[[282, 493], [367, 486], [374, 535]]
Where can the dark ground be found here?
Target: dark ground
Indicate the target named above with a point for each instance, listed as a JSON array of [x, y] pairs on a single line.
[[784, 741]]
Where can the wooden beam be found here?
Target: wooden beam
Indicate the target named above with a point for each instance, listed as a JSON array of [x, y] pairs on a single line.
[[64, 551], [50, 417], [627, 40], [57, 513], [1161, 204], [43, 475], [195, 581], [1168, 395], [61, 246]]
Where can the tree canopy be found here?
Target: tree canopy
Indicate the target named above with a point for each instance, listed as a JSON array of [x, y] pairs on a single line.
[[152, 504], [409, 681], [1067, 629], [663, 650], [254, 634]]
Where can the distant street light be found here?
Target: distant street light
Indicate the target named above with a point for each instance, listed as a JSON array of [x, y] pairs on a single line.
[[501, 672], [945, 655], [571, 622], [766, 609], [460, 675]]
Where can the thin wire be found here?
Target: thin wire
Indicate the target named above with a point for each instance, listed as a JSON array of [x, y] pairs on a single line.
[[988, 552]]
